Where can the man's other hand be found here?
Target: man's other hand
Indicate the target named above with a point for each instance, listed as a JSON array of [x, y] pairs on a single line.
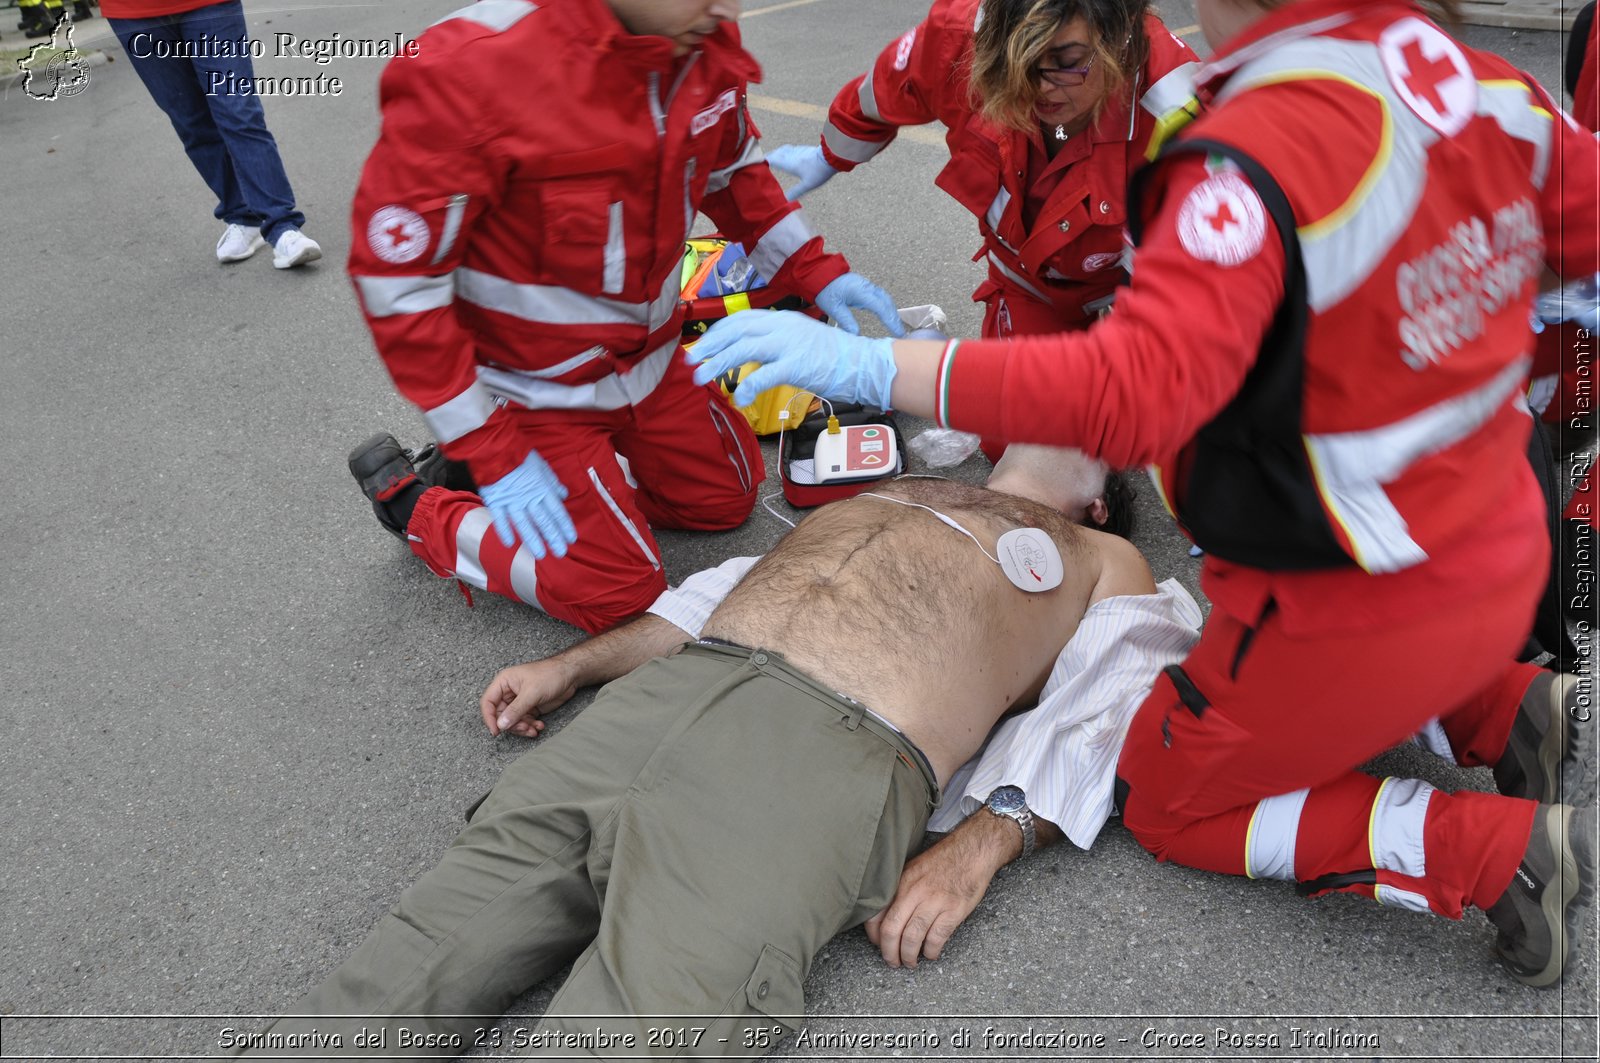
[[939, 888], [518, 695]]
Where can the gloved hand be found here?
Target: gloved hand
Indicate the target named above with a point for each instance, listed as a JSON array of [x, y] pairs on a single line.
[[796, 350], [1577, 301], [529, 499], [808, 164], [854, 292]]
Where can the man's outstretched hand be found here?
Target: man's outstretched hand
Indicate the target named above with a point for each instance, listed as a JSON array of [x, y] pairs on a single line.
[[940, 887], [519, 695]]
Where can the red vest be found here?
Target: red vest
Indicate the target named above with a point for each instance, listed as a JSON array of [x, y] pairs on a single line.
[[1386, 426]]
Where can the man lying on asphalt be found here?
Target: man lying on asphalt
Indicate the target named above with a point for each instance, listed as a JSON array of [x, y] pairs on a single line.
[[696, 834]]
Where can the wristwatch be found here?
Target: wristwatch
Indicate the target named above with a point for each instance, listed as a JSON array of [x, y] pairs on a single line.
[[1012, 803]]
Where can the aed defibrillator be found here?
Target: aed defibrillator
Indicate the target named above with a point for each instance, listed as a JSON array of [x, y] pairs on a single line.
[[837, 452]]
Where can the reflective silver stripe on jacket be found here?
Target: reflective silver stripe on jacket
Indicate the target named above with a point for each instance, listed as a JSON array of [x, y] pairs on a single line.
[[996, 211], [1519, 114], [394, 296], [626, 387], [452, 226], [1351, 468], [688, 197], [779, 242], [1270, 840], [749, 155], [1173, 92], [498, 15], [469, 410], [867, 96], [548, 304], [616, 253], [658, 113], [1016, 278], [848, 147], [1342, 250]]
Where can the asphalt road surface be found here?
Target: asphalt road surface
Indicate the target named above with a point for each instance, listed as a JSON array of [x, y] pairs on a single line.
[[240, 718]]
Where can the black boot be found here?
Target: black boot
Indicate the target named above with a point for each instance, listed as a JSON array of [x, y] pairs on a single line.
[[389, 480], [46, 21], [36, 22], [81, 10]]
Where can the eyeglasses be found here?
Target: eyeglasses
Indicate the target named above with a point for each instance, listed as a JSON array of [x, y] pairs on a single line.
[[1065, 77]]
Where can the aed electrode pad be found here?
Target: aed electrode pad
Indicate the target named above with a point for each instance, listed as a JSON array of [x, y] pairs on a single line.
[[1029, 559]]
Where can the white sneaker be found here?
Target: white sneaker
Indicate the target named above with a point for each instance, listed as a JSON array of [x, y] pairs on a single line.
[[294, 248], [238, 243]]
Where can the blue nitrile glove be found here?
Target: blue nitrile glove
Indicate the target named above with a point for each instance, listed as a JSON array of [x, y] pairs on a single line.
[[529, 499], [808, 164], [1577, 301], [854, 292], [796, 350]]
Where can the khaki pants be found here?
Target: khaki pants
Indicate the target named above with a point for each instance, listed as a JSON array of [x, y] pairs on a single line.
[[692, 838]]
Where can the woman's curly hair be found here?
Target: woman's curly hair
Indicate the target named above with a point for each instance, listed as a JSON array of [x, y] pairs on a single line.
[[1014, 37]]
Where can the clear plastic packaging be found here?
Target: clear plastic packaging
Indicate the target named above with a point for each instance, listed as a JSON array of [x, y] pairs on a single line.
[[924, 323], [940, 448]]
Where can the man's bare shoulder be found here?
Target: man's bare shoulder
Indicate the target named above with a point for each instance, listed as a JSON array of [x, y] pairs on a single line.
[[1123, 569]]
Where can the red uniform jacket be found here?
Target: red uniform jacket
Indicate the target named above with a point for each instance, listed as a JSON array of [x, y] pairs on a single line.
[[150, 8], [1439, 183], [1067, 260], [518, 229]]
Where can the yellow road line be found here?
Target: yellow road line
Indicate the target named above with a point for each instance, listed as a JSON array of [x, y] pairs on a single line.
[[1184, 31], [922, 134], [777, 7]]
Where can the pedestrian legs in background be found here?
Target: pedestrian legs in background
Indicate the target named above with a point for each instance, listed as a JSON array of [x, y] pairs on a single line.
[[223, 127]]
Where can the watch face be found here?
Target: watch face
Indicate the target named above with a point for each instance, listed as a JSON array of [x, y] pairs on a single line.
[[1008, 799]]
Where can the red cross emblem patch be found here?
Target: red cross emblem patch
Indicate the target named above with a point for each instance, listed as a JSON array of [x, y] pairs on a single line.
[[397, 234], [1222, 220], [1429, 72]]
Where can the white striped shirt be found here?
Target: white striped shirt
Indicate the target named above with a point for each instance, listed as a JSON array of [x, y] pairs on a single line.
[[1063, 753]]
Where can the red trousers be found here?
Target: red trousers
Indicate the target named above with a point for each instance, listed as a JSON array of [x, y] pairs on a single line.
[[691, 461], [1242, 759]]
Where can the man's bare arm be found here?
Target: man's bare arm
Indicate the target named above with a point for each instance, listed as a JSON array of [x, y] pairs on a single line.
[[940, 887], [518, 695]]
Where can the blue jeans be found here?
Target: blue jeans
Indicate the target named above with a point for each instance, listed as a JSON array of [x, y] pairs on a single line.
[[224, 130]]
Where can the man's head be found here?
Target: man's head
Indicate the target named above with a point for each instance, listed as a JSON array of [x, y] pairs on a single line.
[[1085, 490], [684, 22]]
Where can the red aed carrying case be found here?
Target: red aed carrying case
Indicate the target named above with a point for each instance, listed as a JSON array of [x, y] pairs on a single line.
[[799, 446]]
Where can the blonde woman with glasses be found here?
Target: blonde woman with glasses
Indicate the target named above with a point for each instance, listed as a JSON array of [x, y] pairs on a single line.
[[1049, 106]]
